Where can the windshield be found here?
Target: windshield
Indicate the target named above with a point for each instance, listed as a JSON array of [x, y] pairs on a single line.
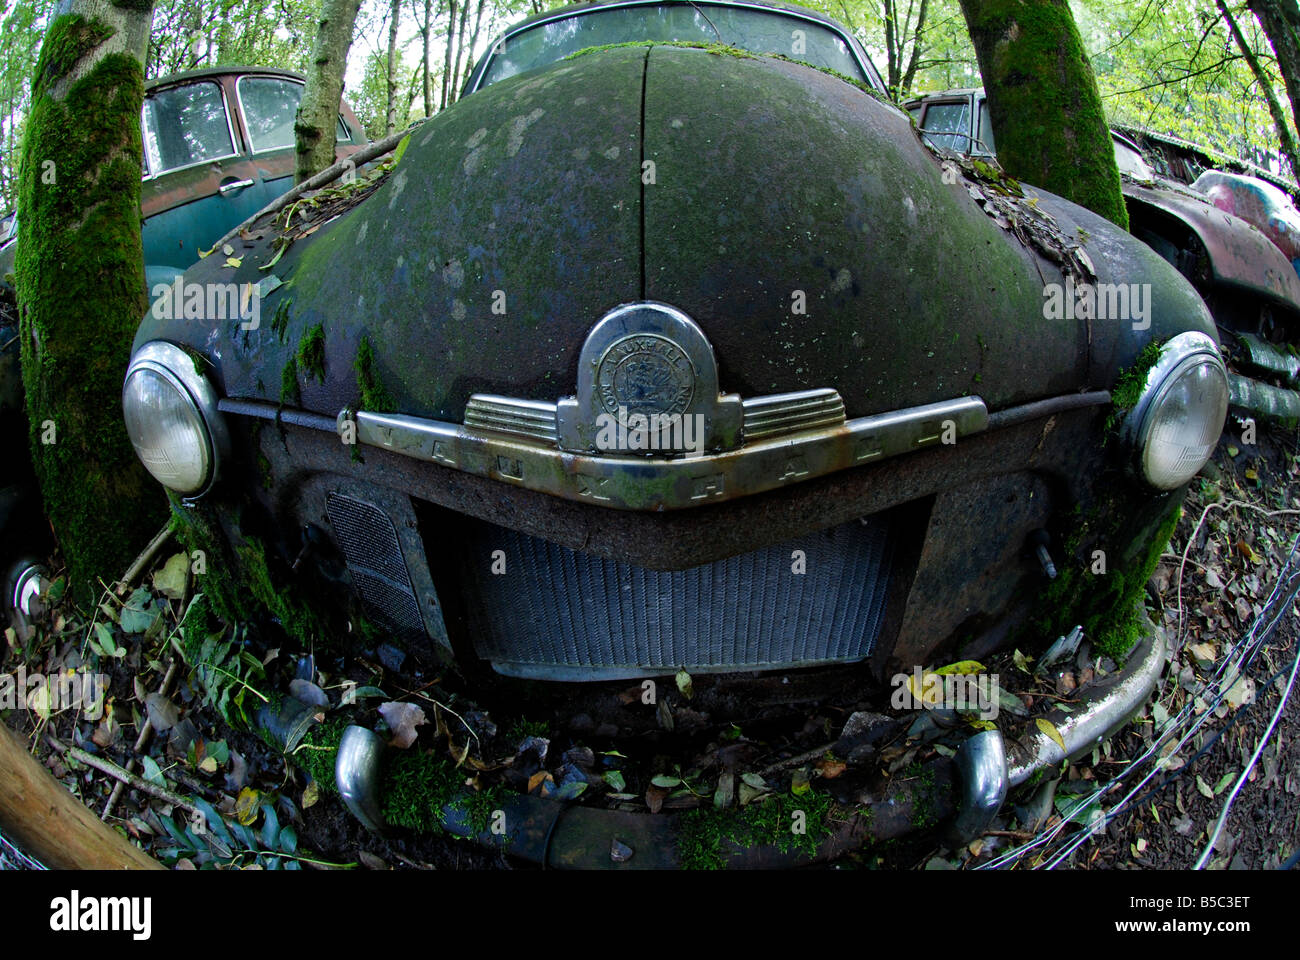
[[759, 31]]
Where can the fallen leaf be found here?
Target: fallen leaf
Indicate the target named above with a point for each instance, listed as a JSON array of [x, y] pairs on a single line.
[[312, 695], [1049, 728], [170, 580], [246, 806], [163, 714], [654, 798], [402, 719], [685, 685], [311, 795]]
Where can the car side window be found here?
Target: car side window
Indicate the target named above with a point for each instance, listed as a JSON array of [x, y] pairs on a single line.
[[270, 104], [186, 125], [947, 126], [985, 132]]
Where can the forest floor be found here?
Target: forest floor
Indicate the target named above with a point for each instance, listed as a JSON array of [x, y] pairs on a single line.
[[1230, 548]]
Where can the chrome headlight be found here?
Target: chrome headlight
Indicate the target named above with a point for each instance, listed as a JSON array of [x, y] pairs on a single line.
[[172, 419], [1177, 420]]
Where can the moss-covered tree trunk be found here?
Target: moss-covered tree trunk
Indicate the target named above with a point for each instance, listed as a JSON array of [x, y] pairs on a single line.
[[317, 121], [1043, 100], [80, 283], [1280, 121], [1281, 22]]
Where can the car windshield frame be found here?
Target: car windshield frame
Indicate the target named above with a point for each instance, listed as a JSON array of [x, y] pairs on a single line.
[[147, 170], [855, 49], [253, 151]]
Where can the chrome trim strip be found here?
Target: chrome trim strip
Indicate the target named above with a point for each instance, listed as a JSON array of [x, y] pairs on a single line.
[[1096, 716], [669, 483], [530, 419], [981, 764], [782, 413]]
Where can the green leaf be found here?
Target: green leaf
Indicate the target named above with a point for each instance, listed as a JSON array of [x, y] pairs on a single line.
[[615, 781], [685, 685], [664, 780], [152, 772], [139, 612], [170, 580], [271, 828], [401, 148], [1049, 728]]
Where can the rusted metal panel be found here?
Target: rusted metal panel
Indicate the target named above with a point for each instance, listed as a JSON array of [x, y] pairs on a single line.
[[1240, 255]]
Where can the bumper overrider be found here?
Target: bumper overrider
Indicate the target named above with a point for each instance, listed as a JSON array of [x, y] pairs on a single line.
[[649, 431]]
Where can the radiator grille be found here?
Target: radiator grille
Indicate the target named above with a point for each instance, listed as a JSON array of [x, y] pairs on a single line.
[[559, 614], [374, 556]]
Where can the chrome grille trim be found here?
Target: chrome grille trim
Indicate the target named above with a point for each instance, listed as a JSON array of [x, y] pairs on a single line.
[[368, 539], [783, 413], [530, 419]]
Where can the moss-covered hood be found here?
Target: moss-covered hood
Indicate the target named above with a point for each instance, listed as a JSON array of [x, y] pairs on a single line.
[[737, 189]]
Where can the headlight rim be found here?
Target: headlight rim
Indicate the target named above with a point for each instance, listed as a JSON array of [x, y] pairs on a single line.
[[176, 366], [1177, 355]]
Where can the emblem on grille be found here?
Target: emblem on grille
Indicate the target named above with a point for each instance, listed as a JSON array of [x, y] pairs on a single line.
[[646, 375], [644, 361]]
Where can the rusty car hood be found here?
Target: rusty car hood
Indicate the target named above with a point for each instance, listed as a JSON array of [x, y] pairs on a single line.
[[729, 187]]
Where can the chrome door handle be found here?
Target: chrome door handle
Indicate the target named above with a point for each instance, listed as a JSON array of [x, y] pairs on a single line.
[[226, 188]]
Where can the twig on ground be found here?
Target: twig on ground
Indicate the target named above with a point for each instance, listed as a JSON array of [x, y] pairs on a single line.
[[126, 777], [141, 562], [141, 741]]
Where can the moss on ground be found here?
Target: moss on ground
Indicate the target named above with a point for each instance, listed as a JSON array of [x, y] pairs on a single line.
[[702, 833], [416, 788], [318, 751]]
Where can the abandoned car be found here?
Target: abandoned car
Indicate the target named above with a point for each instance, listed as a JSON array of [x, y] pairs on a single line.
[[218, 147], [1229, 234], [673, 346]]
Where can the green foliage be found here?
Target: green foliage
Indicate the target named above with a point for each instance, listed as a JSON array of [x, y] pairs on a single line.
[[311, 353], [318, 751], [224, 671], [373, 396], [702, 832], [212, 842]]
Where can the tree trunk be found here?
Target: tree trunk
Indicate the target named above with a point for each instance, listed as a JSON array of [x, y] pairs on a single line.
[[1043, 101], [454, 68], [394, 20], [446, 60], [317, 121], [473, 39], [1284, 136], [1281, 22], [79, 271], [425, 30], [51, 824], [909, 75]]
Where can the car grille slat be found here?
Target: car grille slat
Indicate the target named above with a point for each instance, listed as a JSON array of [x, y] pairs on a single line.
[[369, 543], [560, 614]]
